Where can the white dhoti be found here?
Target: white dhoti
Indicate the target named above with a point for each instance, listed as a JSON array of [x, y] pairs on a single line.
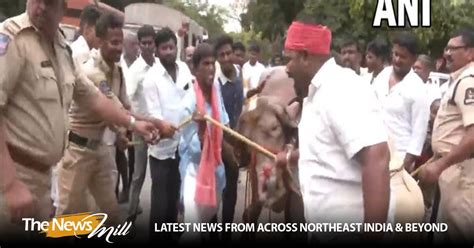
[[407, 198], [193, 212], [409, 204]]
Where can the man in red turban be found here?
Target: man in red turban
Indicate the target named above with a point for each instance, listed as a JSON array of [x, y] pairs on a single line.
[[343, 153]]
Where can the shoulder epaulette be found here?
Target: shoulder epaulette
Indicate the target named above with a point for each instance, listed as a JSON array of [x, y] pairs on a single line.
[[13, 26], [451, 100]]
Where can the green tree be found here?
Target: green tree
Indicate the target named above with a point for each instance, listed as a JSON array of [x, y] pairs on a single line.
[[211, 17], [270, 17], [446, 17], [208, 16], [353, 18], [266, 22], [11, 8], [249, 37]]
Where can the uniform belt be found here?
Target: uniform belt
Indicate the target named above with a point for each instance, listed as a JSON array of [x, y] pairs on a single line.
[[84, 142], [25, 159]]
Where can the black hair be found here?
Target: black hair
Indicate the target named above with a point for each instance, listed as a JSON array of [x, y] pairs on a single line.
[[89, 16], [350, 42], [239, 46], [105, 22], [379, 48], [408, 41], [467, 35], [202, 51], [164, 35], [146, 31], [222, 41], [254, 47]]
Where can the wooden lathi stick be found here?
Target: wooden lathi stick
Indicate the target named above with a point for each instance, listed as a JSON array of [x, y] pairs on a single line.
[[241, 138], [181, 125], [413, 174]]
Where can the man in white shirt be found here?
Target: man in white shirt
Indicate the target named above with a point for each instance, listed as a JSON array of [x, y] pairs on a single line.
[[404, 99], [239, 54], [406, 111], [164, 86], [423, 66], [188, 56], [377, 56], [343, 154], [252, 70], [134, 80], [87, 40], [351, 57], [131, 50], [125, 164]]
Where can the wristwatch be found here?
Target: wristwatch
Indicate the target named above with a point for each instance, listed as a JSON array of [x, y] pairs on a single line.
[[131, 124]]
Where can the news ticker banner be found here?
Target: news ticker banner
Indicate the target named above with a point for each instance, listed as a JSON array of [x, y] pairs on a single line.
[[303, 227], [93, 225]]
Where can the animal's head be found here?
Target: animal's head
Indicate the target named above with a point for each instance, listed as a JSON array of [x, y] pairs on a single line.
[[272, 125]]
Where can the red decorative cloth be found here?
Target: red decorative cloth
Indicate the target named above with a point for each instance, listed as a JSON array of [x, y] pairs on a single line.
[[315, 39], [211, 151]]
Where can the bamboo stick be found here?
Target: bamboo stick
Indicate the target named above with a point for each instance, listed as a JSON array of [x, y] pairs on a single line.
[[241, 138], [134, 143], [181, 125], [185, 122], [226, 129], [413, 174]]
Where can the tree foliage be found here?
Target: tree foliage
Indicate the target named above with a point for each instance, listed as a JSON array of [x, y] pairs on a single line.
[[353, 18], [11, 8], [211, 17], [271, 17], [249, 37], [208, 16]]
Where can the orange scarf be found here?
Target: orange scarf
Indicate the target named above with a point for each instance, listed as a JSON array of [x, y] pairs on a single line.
[[211, 151]]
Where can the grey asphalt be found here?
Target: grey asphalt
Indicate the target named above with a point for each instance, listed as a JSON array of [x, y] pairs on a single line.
[[142, 222]]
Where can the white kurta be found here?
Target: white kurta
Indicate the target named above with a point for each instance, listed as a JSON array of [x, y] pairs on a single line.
[[406, 110], [340, 117], [163, 98], [251, 75]]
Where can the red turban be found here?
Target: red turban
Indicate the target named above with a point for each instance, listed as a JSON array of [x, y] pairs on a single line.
[[315, 39]]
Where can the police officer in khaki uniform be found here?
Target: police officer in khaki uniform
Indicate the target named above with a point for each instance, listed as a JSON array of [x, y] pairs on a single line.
[[38, 81], [453, 142], [88, 163]]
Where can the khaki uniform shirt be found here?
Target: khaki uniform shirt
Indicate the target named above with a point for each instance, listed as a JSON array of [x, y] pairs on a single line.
[[456, 111], [110, 82], [38, 81]]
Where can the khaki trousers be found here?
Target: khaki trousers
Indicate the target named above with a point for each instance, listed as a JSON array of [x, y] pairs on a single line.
[[457, 203], [39, 185], [82, 169]]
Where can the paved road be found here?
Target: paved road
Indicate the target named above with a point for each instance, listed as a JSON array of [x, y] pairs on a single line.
[[143, 219]]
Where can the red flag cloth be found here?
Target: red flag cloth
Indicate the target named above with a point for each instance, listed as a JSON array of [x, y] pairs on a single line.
[[315, 39], [211, 151]]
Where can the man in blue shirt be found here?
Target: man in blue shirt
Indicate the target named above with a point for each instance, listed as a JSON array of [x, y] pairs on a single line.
[[202, 172], [229, 81]]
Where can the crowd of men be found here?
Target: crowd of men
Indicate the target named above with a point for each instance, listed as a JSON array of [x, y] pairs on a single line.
[[78, 118]]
